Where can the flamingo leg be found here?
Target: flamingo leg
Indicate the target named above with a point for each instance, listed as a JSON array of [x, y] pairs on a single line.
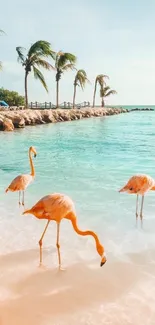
[[141, 211], [41, 241], [19, 198], [23, 203], [58, 245], [137, 209]]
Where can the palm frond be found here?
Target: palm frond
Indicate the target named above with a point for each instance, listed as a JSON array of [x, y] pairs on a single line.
[[68, 66], [82, 72], [21, 57], [0, 65], [102, 76], [101, 79], [41, 48], [58, 54], [111, 92], [62, 59], [2, 31], [44, 64], [106, 91], [70, 57], [81, 78], [82, 82], [39, 75]]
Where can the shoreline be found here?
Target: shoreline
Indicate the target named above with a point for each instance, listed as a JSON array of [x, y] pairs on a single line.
[[11, 120]]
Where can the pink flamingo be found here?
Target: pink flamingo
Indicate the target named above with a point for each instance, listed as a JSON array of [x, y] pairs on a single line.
[[21, 182], [140, 185], [56, 207]]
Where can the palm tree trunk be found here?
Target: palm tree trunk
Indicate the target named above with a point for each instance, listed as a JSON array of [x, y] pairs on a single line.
[[102, 103], [57, 94], [94, 93], [26, 94], [74, 96]]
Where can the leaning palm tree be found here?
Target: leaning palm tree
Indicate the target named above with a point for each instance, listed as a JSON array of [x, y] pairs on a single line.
[[105, 92], [35, 59], [63, 62], [100, 79], [80, 80]]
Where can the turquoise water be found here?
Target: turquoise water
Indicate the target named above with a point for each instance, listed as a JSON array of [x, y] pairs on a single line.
[[130, 107], [90, 160]]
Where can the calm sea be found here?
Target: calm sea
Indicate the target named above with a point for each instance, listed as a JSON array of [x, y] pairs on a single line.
[[130, 107], [90, 160]]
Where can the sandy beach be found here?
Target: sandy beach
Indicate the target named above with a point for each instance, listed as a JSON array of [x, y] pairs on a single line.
[[33, 295]]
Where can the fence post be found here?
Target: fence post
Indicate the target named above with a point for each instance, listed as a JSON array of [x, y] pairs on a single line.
[[45, 105]]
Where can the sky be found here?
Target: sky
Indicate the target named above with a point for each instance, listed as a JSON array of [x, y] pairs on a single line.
[[114, 37]]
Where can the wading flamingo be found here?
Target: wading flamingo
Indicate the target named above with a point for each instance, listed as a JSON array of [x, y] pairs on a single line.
[[21, 182], [140, 185], [56, 207]]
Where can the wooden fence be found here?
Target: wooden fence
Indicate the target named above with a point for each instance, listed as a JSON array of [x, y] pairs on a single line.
[[49, 105]]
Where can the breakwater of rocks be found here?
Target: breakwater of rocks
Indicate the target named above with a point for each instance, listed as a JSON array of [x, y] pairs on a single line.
[[10, 120]]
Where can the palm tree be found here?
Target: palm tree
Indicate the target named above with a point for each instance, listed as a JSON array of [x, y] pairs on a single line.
[[1, 32], [34, 59], [99, 80], [105, 92], [63, 62], [80, 80]]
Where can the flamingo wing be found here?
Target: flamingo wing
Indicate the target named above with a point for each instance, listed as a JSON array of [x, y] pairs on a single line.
[[20, 183], [55, 207]]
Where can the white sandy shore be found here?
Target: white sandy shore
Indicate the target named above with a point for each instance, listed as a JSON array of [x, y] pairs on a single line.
[[30, 295]]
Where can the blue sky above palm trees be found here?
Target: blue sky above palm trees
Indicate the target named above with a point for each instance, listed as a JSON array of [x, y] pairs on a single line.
[[110, 37]]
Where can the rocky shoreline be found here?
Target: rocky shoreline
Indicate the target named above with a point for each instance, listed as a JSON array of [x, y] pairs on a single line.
[[10, 120]]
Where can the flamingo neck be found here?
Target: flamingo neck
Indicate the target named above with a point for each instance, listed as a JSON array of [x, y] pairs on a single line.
[[99, 247], [31, 165]]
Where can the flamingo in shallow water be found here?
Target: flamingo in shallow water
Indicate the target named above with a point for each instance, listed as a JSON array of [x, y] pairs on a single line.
[[21, 182], [140, 185], [56, 207]]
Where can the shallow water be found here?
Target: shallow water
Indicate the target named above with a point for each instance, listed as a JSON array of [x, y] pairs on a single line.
[[90, 160]]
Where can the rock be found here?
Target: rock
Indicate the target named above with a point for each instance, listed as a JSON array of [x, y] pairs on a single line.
[[1, 123], [7, 125], [18, 121]]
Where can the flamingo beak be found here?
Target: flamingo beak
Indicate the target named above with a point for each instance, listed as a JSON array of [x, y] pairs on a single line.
[[123, 189], [103, 260]]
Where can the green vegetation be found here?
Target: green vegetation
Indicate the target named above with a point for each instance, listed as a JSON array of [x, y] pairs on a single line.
[[34, 59], [63, 62], [12, 98], [105, 92], [80, 80]]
